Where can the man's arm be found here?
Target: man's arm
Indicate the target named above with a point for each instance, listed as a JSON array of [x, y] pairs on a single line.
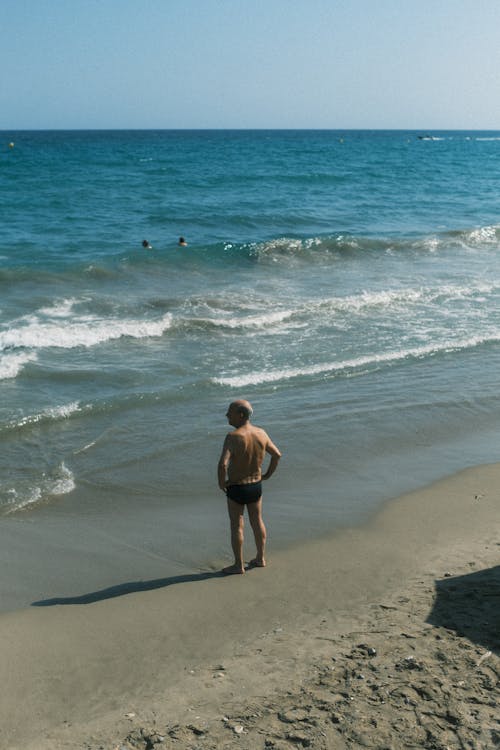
[[275, 457], [223, 463]]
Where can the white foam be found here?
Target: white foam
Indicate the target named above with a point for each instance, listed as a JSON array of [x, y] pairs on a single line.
[[55, 413], [431, 244], [18, 501], [354, 304], [280, 245], [11, 363], [482, 235], [60, 482], [327, 368], [85, 447], [82, 332], [357, 303], [60, 309], [253, 321], [63, 411]]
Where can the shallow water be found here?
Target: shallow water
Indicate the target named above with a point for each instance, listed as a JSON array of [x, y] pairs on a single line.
[[346, 283]]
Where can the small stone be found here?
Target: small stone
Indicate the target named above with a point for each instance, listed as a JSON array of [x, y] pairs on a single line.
[[299, 738], [197, 729], [292, 715], [453, 717], [238, 729], [409, 662]]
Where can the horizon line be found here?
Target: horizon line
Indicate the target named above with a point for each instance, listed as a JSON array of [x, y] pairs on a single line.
[[251, 129]]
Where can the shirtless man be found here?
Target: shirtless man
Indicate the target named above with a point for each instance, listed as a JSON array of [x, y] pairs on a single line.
[[240, 474]]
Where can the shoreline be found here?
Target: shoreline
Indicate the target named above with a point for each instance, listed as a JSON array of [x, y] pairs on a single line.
[[194, 658], [96, 539]]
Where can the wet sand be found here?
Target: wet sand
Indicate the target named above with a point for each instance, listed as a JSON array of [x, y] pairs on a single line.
[[384, 636]]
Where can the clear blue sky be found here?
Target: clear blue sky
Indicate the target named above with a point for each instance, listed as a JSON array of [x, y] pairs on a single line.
[[250, 64]]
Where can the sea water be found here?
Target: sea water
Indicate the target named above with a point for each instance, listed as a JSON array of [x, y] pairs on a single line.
[[346, 283]]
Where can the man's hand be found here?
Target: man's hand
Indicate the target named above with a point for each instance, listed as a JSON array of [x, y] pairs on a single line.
[[275, 457], [222, 466]]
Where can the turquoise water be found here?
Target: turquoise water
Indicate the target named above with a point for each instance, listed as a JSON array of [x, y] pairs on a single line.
[[347, 283]]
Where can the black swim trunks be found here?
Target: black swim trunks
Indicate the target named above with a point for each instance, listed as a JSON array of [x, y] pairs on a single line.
[[244, 493]]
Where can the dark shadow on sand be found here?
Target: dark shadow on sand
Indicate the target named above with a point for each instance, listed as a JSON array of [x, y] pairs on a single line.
[[131, 587], [470, 605]]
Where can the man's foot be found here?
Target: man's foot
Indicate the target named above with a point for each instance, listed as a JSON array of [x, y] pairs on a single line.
[[232, 570], [256, 563]]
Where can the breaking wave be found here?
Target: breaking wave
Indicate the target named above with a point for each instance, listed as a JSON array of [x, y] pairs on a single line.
[[26, 495], [51, 414], [357, 363], [33, 333]]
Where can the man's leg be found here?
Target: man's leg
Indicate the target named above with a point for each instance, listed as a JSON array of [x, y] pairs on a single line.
[[259, 532], [235, 511]]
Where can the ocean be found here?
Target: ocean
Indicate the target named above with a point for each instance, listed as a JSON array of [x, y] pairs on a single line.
[[347, 283]]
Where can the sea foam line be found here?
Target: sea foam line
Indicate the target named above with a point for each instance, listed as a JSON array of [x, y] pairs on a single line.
[[60, 482], [288, 373], [251, 321], [11, 363], [60, 309], [482, 235], [354, 303], [37, 335], [53, 413], [321, 247], [357, 302]]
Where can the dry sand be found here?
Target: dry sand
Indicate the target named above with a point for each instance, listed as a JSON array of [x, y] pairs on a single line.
[[382, 637]]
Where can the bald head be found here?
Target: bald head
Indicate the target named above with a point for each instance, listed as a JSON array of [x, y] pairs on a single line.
[[239, 412], [244, 407]]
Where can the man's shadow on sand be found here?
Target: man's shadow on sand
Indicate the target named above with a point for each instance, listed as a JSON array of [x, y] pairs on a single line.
[[470, 605], [131, 587]]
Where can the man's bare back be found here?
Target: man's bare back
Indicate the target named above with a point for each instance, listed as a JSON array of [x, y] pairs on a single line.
[[247, 447]]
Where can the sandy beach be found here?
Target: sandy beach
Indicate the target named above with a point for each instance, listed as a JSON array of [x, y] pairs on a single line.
[[384, 637]]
